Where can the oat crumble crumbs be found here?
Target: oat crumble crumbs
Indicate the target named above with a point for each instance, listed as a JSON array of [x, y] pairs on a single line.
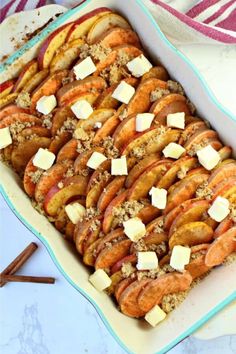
[[60, 185], [196, 147], [159, 226], [175, 87], [126, 210], [47, 121], [35, 176], [99, 52], [91, 213], [195, 255], [171, 301], [102, 176], [158, 93], [127, 269], [203, 191], [17, 128], [233, 212], [123, 114], [70, 172], [69, 125], [95, 225], [182, 172], [23, 100], [110, 150]]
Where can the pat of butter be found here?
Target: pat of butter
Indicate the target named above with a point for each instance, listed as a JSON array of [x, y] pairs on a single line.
[[119, 166], [139, 66], [144, 121], [208, 157], [98, 125], [176, 120], [173, 150], [5, 137], [158, 197], [84, 68], [46, 104], [124, 92], [75, 212], [43, 159], [180, 256], [82, 109], [155, 315], [147, 260], [219, 209], [134, 228], [100, 280], [95, 160]]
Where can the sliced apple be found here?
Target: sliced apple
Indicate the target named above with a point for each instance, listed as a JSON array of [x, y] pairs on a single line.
[[6, 88], [48, 87], [118, 36], [80, 164], [57, 198], [81, 26], [110, 192], [108, 215], [19, 118], [67, 56], [98, 116], [11, 109], [35, 80], [75, 89], [68, 151], [125, 131], [158, 72], [6, 100], [26, 74], [51, 44], [105, 23], [61, 115], [59, 141]]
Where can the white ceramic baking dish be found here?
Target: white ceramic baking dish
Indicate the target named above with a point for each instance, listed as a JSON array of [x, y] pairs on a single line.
[[216, 290]]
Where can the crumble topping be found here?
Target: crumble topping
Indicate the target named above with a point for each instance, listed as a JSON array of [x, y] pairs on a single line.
[[17, 128], [97, 51], [171, 301], [69, 125], [123, 114], [138, 152], [175, 87], [95, 225], [158, 93], [203, 191], [85, 139], [47, 121], [127, 270], [158, 229], [102, 176], [35, 176], [196, 147], [233, 212], [195, 255], [70, 172], [182, 172], [91, 213], [110, 150], [126, 211], [23, 100]]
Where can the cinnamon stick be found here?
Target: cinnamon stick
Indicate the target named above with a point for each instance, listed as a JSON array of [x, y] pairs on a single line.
[[26, 279], [18, 262]]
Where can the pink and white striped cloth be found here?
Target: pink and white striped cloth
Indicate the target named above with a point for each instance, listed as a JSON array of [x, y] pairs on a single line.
[[215, 19]]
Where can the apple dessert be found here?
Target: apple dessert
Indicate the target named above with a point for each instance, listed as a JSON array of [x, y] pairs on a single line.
[[110, 149]]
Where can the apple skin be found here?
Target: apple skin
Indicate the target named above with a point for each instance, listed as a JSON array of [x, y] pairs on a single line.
[[132, 258], [6, 88], [84, 28], [26, 74], [51, 44], [11, 109]]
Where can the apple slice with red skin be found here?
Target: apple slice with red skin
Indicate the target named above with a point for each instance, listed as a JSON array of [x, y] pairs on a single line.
[[68, 151], [122, 285], [26, 74], [224, 186], [125, 131], [103, 24], [36, 80], [148, 179], [197, 267], [221, 248], [118, 36], [222, 173], [19, 117], [51, 44], [11, 109], [73, 90], [107, 129], [84, 231], [56, 197], [108, 215], [173, 107], [60, 116], [54, 175], [140, 102], [131, 258], [29, 184], [6, 88], [110, 192], [59, 141], [104, 166], [191, 129], [224, 226], [83, 24], [48, 87]]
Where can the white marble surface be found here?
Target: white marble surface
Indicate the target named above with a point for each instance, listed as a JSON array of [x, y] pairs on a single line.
[[56, 319]]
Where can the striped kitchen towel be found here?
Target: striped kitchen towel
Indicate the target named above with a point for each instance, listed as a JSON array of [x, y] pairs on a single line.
[[192, 21]]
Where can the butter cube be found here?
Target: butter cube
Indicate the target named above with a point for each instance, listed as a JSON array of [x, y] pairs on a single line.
[[144, 121], [75, 212], [173, 150], [119, 166], [84, 68], [95, 160], [46, 104], [124, 92], [139, 66], [155, 315], [134, 228], [147, 260], [158, 197], [219, 209], [176, 120], [82, 109], [43, 159], [98, 125], [100, 280], [180, 256], [208, 157], [5, 137]]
